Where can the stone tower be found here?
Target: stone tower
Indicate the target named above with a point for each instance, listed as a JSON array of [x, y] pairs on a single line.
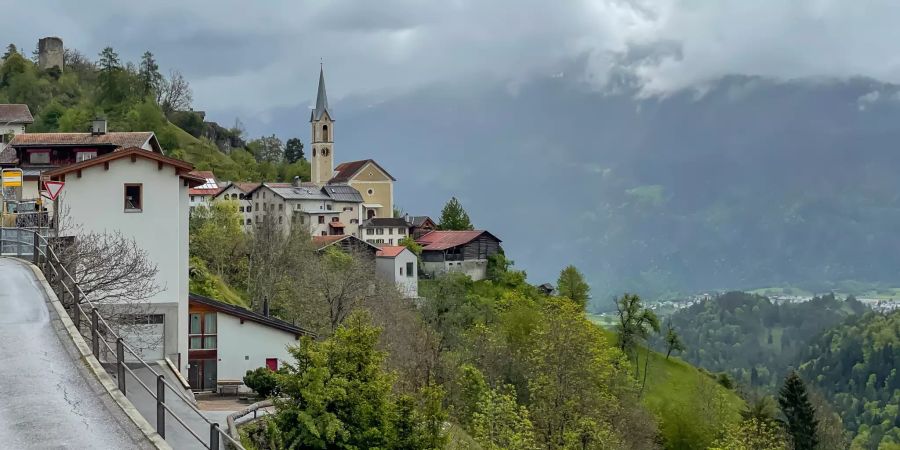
[[50, 53], [322, 124]]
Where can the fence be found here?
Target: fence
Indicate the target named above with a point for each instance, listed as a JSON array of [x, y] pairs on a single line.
[[33, 245]]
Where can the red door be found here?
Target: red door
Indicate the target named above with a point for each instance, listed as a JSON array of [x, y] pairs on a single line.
[[272, 364]]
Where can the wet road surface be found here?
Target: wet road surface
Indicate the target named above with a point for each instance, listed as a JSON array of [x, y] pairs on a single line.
[[48, 398]]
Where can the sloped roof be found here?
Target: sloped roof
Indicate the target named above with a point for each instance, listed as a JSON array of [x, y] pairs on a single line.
[[243, 187], [246, 314], [345, 171], [442, 240], [324, 241], [15, 113], [343, 193], [182, 167], [305, 191], [390, 251], [210, 187], [418, 221], [123, 139]]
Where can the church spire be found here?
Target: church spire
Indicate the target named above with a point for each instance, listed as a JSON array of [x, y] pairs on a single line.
[[321, 98]]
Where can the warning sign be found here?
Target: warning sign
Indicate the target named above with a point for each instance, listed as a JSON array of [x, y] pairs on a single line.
[[53, 188]]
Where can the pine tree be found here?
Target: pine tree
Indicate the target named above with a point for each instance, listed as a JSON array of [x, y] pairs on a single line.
[[10, 50], [454, 217], [799, 414], [572, 286], [149, 74]]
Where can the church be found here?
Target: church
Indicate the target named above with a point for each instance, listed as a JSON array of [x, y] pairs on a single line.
[[374, 183]]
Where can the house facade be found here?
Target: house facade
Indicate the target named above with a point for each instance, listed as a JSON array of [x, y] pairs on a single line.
[[420, 225], [331, 210], [400, 266], [143, 195], [458, 251], [225, 341], [240, 192], [371, 180], [202, 195], [36, 153], [13, 119], [384, 230]]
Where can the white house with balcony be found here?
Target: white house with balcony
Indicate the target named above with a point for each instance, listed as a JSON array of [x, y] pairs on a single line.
[[331, 210], [144, 196]]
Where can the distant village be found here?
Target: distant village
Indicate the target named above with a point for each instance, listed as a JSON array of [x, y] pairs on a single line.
[[103, 180]]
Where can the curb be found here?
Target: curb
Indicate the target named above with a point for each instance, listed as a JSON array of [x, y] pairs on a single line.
[[94, 366]]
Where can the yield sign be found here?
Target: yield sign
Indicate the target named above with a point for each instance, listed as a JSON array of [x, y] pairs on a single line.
[[53, 188]]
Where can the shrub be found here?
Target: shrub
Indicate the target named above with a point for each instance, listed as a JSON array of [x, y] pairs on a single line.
[[262, 380]]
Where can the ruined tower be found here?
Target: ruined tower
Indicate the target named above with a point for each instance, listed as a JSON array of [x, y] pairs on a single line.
[[50, 53]]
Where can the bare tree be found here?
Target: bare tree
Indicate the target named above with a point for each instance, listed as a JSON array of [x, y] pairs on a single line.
[[174, 93], [114, 274]]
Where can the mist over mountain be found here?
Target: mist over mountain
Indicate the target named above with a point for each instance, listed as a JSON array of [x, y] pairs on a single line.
[[745, 182]]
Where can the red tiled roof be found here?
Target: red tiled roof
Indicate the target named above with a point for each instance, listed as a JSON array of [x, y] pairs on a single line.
[[124, 139], [204, 174], [197, 191], [15, 113], [390, 251], [183, 168], [345, 171], [246, 187], [335, 224], [442, 240]]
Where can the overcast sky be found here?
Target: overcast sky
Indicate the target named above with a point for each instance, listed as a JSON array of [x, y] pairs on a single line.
[[255, 56]]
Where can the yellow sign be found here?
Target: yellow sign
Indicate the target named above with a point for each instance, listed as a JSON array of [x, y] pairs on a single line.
[[12, 178]]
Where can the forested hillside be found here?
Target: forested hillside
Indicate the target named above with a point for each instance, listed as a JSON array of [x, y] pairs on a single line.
[[136, 97], [855, 365], [753, 339]]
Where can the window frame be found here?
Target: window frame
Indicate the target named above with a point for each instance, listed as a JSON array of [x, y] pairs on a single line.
[[140, 200]]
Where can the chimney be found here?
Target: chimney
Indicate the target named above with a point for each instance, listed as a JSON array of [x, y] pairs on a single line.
[[265, 306], [98, 126], [296, 181]]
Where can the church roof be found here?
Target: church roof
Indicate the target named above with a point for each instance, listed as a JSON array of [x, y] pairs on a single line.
[[344, 172], [321, 100]]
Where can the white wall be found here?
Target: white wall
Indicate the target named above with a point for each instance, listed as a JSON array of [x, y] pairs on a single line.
[[474, 268], [14, 128], [390, 268], [389, 235], [96, 203], [243, 347]]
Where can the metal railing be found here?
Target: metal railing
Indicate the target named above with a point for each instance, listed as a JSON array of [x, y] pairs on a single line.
[[99, 331]]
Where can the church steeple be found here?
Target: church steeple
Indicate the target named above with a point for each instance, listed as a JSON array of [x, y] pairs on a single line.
[[322, 125], [321, 99]]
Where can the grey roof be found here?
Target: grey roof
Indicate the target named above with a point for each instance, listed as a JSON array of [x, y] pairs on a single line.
[[299, 192], [343, 193], [385, 222], [321, 100]]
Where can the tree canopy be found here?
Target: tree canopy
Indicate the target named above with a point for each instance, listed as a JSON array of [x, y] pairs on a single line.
[[454, 217]]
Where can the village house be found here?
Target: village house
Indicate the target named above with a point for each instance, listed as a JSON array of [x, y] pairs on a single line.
[[420, 225], [373, 182], [143, 195], [384, 230], [347, 243], [399, 265], [225, 341], [202, 195], [240, 192], [36, 153], [330, 210], [13, 119], [458, 251]]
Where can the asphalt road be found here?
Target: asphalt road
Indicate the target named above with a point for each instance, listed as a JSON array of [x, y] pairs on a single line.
[[48, 399]]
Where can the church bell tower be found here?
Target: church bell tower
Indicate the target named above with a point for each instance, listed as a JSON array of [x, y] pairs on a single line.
[[322, 124]]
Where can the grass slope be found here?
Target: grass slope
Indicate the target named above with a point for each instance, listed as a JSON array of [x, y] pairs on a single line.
[[686, 401]]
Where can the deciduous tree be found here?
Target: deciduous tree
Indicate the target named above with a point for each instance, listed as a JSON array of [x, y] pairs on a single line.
[[293, 150], [571, 285]]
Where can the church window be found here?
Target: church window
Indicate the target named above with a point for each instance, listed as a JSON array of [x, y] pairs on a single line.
[[325, 133], [324, 152], [370, 191], [314, 151]]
